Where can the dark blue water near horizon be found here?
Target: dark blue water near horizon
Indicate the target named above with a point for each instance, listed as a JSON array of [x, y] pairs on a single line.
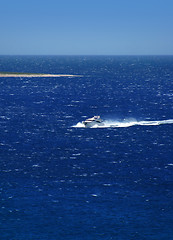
[[59, 181]]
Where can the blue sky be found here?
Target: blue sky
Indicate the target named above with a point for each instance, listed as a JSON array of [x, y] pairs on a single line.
[[92, 27]]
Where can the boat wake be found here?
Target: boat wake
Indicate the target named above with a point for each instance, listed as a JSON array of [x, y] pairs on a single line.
[[125, 123]]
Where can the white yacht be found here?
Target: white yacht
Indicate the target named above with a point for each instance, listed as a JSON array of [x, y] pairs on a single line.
[[90, 122]]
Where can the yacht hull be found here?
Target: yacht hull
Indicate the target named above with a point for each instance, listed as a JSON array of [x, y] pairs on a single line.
[[91, 122]]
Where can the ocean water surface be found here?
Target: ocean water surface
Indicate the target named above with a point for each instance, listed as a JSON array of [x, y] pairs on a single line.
[[59, 180]]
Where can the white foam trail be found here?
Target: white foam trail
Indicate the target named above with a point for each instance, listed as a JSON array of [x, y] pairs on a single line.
[[126, 123]]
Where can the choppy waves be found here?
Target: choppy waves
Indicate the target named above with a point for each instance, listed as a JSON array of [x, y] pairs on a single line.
[[126, 123]]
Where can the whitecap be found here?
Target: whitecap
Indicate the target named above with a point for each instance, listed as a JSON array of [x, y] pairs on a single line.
[[94, 195]]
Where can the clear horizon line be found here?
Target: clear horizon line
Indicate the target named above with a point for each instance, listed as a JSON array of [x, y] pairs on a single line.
[[116, 55]]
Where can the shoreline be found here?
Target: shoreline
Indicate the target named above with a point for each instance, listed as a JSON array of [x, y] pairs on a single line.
[[36, 75]]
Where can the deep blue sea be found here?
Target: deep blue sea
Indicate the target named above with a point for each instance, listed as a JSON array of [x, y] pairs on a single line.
[[61, 181]]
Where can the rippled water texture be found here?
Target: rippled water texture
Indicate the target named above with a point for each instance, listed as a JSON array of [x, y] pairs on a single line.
[[59, 180]]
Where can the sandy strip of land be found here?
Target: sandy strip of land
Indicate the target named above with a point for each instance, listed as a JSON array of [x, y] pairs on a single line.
[[37, 75]]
